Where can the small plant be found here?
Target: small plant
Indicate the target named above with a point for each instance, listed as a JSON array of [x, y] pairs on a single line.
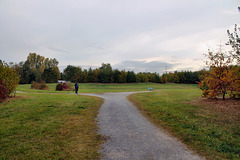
[[41, 85], [3, 91], [63, 87]]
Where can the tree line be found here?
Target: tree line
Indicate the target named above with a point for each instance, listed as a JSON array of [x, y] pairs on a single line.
[[38, 68], [105, 74]]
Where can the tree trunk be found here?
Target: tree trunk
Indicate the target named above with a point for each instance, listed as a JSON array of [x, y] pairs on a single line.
[[224, 93]]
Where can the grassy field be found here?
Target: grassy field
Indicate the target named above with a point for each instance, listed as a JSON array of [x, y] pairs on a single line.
[[103, 88], [62, 126], [49, 126], [210, 127]]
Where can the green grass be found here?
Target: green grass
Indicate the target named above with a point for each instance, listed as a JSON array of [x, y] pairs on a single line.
[[103, 88], [62, 126], [49, 126], [211, 133]]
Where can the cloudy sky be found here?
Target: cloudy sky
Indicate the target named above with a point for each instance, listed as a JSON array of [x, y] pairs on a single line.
[[138, 35]]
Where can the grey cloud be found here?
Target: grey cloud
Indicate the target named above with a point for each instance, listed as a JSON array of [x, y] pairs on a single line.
[[91, 32], [143, 66]]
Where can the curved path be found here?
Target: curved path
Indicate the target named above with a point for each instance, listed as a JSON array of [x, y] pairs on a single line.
[[129, 135]]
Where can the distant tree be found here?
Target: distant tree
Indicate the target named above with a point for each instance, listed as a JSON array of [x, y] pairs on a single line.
[[164, 78], [3, 63], [70, 73], [39, 63], [131, 77], [50, 76], [95, 73], [105, 73], [150, 76], [157, 78], [90, 75], [142, 77], [25, 74], [85, 76], [116, 76], [18, 67], [78, 76], [36, 62], [123, 77]]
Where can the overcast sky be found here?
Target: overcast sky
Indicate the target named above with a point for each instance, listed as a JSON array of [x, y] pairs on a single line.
[[138, 35]]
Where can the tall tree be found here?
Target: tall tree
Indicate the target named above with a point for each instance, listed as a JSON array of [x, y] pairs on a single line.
[[116, 74], [131, 77], [105, 73], [85, 76], [95, 74], [90, 75], [50, 76], [123, 77], [70, 73]]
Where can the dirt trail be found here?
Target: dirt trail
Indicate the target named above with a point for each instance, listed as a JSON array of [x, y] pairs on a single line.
[[131, 136]]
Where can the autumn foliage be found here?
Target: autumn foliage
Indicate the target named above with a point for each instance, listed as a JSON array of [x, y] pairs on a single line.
[[63, 87], [3, 91], [8, 81], [222, 78], [41, 85]]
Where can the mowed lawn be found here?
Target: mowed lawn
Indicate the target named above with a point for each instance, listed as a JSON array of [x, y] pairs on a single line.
[[45, 125], [49, 126], [210, 127], [103, 88]]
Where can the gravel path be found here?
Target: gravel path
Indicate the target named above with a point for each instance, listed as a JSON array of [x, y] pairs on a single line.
[[131, 136]]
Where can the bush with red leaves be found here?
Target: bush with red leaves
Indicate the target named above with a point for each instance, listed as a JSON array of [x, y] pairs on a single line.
[[63, 87], [3, 91]]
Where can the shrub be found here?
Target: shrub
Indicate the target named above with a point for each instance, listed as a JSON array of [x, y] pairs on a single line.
[[41, 86], [59, 87], [9, 78], [63, 87], [3, 91]]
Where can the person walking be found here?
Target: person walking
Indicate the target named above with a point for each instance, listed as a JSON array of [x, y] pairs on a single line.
[[76, 88]]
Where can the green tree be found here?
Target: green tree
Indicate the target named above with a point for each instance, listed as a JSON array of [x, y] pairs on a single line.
[[131, 77], [90, 75], [36, 62], [142, 77], [70, 73], [105, 73], [39, 63], [85, 76], [123, 77], [95, 73], [25, 74], [50, 76], [116, 75]]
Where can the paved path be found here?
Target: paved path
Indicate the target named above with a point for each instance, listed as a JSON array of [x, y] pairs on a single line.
[[130, 136]]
